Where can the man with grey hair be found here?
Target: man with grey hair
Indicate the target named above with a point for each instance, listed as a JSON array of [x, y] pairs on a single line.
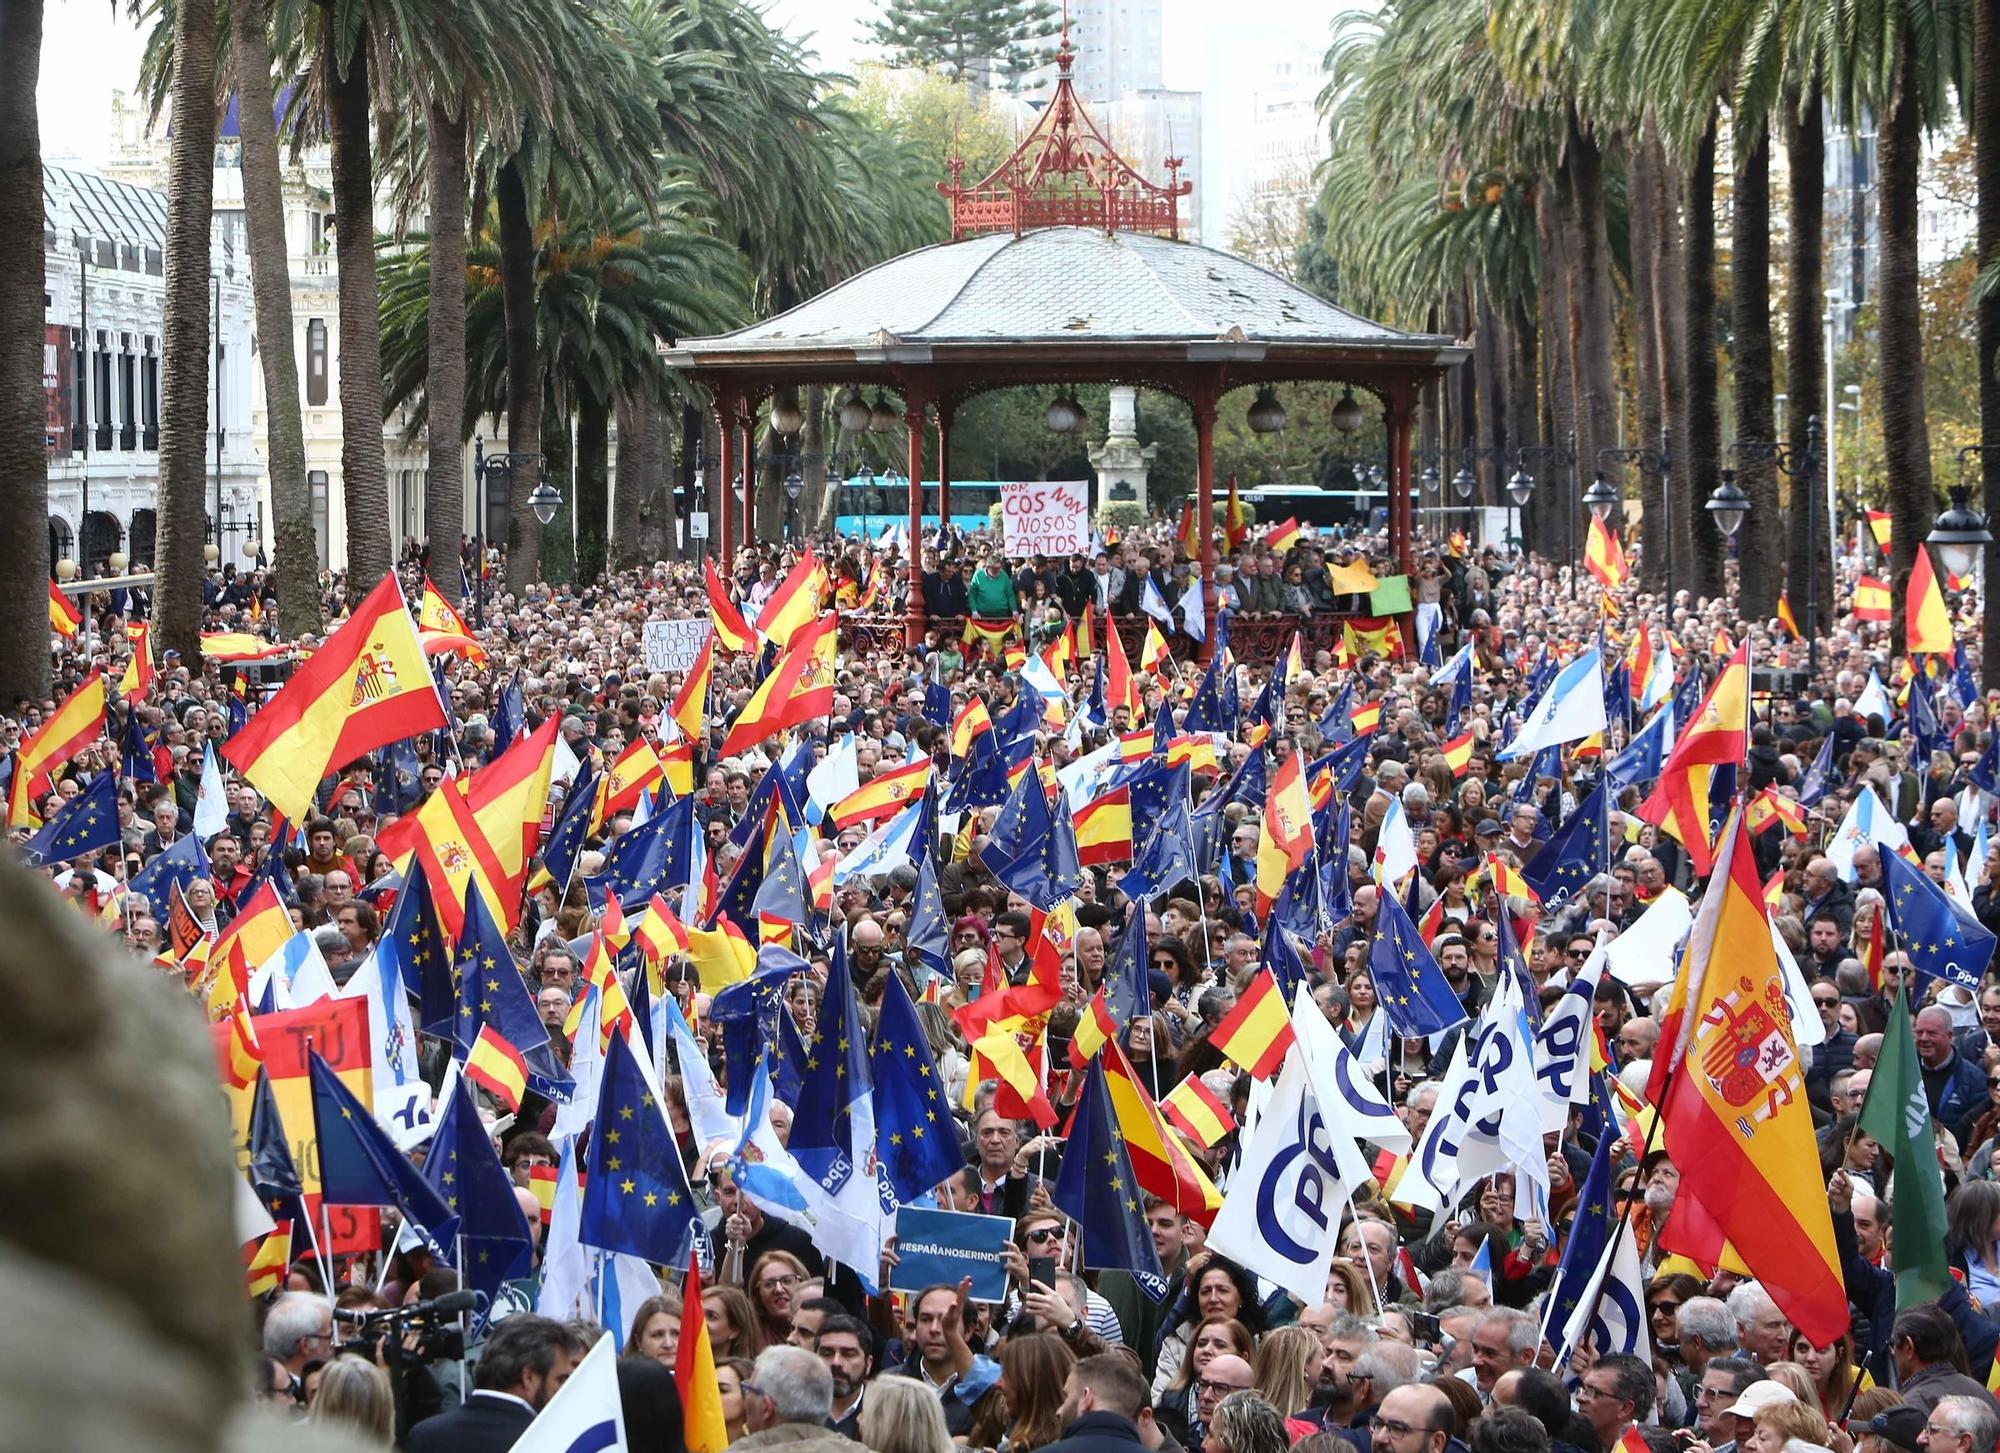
[[1960, 1424], [1762, 1331], [1707, 1331], [786, 1403], [1716, 1392], [1504, 1338], [299, 1329]]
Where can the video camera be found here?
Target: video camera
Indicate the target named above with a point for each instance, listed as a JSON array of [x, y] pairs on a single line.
[[387, 1330]]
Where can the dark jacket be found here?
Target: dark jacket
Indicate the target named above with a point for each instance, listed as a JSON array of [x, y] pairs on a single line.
[[1960, 1098], [487, 1423], [1098, 1433], [1829, 1059], [1941, 1381], [1871, 1291], [944, 595], [1075, 590]]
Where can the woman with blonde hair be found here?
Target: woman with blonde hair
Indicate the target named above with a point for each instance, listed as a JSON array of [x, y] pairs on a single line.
[[1033, 1373], [774, 1288], [732, 1322], [901, 1415], [1781, 1422], [730, 1375], [1795, 1380], [1347, 1290], [354, 1394], [1286, 1367]]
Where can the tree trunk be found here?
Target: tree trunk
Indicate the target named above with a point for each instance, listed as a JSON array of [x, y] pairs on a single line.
[[1906, 439], [1597, 339], [1523, 371], [295, 557], [812, 443], [1640, 179], [184, 333], [24, 562], [1704, 406], [364, 474], [1670, 318], [1489, 365], [1808, 578], [1546, 507], [444, 382], [593, 484], [626, 493], [524, 380], [1761, 541], [1986, 160]]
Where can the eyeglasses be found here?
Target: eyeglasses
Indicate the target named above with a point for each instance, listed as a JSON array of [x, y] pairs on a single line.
[[1825, 1003], [1394, 1427], [776, 1283], [1576, 953], [1208, 1387], [1043, 1234], [1596, 1392], [1656, 1308]]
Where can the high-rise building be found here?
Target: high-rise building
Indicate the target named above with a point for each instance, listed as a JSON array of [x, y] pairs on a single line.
[[1117, 46], [1146, 127]]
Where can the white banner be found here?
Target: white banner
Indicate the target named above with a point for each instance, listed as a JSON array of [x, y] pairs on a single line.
[[673, 645], [1041, 517]]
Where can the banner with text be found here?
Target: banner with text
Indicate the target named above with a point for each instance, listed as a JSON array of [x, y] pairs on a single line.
[[673, 645], [943, 1246], [1045, 518]]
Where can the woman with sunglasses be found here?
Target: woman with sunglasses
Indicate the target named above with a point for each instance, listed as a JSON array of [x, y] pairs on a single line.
[[1664, 1296]]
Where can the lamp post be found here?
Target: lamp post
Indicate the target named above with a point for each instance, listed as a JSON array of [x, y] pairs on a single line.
[[1794, 465], [795, 484], [543, 500], [1464, 480], [1655, 462], [1563, 456], [1520, 489], [1960, 533], [1728, 506]]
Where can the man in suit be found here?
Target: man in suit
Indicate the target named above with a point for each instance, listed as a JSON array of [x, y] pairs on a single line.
[[525, 1360]]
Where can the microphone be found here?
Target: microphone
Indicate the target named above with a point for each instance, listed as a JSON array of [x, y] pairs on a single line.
[[451, 1304]]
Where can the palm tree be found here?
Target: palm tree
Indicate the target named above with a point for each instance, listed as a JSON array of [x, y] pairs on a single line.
[[184, 331], [24, 631], [295, 556], [1761, 540], [444, 387], [1986, 134]]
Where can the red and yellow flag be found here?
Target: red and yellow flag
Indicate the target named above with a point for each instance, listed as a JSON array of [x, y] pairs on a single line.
[[77, 723], [1119, 687], [1190, 537], [64, 617], [496, 1066], [1258, 1031], [1926, 623], [1162, 1165], [1235, 519], [1104, 829], [1198, 1112], [271, 1263], [794, 605], [138, 674], [799, 688], [1717, 736], [1878, 526], [690, 708], [886, 793], [1458, 752], [730, 627], [1872, 601], [703, 1427], [369, 685], [972, 722], [1786, 618], [1603, 556], [1734, 1116], [435, 613], [1154, 655], [637, 770], [1768, 809], [1283, 535], [1286, 834], [509, 796]]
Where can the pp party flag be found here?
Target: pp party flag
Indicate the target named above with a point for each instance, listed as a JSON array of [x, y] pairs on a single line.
[[1610, 1313], [360, 1166], [64, 617], [1602, 555], [366, 687], [730, 628], [1414, 991], [703, 1427], [1878, 526], [1200, 1114], [1926, 623], [586, 1414], [1942, 940], [637, 1199], [1258, 1031], [1872, 601], [77, 723], [914, 1140], [1898, 1114], [795, 603], [463, 1168], [799, 688], [1098, 1189], [87, 823], [1283, 535], [1569, 709], [1715, 736], [1734, 1117], [1285, 831]]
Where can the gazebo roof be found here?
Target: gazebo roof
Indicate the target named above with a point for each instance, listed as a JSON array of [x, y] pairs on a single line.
[[1081, 295]]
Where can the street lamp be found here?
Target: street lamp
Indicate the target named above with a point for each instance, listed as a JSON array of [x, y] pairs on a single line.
[[1960, 534], [1347, 415], [1655, 462], [1520, 489], [1430, 479], [795, 484], [1266, 415], [1563, 456], [1794, 465], [543, 500], [1463, 483], [1601, 498], [1728, 505]]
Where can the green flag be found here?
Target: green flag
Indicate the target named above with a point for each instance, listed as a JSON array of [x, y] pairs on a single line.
[[1898, 1115]]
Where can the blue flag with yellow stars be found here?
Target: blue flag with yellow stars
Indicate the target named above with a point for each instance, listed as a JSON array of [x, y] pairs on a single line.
[[981, 778], [1154, 787], [510, 716], [783, 785], [1211, 710], [360, 1166], [637, 1199], [833, 1131], [913, 1126], [565, 844], [1336, 728], [1335, 830], [1415, 993], [1645, 756], [1282, 957], [783, 894], [177, 867], [1164, 729], [737, 901], [490, 987], [647, 857], [87, 823], [271, 867], [274, 1175], [928, 934], [937, 705], [1938, 940], [747, 1014], [1583, 1248], [414, 955], [1096, 1187], [1819, 777], [403, 779], [1565, 864], [1032, 851], [1166, 858], [464, 1170], [1347, 762]]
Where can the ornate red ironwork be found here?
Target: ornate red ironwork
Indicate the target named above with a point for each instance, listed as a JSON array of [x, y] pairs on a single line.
[[1065, 173], [1256, 640]]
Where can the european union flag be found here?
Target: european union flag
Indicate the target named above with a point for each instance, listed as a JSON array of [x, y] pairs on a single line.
[[1096, 712], [1687, 696], [747, 1012], [1269, 707], [1127, 992], [566, 838], [274, 1175], [490, 987], [1336, 728], [1645, 756], [738, 900], [360, 1166], [641, 861], [1166, 858], [1032, 851], [789, 1073], [1938, 940], [1347, 762], [1282, 957], [1590, 1232], [980, 776], [1018, 724], [937, 705], [87, 823], [463, 1169], [783, 894], [1985, 773], [1335, 832], [928, 933], [1415, 993], [1819, 777], [637, 1199], [1164, 729], [1212, 709], [1567, 862], [404, 782], [1925, 731], [1153, 787], [182, 862], [913, 1126], [1096, 1187], [136, 744], [510, 716], [1245, 785], [1461, 700], [414, 956]]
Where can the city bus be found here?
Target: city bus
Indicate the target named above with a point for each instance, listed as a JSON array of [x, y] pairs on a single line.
[[866, 506]]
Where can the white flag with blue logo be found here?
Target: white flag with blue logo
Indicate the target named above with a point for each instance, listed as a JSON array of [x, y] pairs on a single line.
[[1571, 709], [1355, 1109], [1562, 1044], [1154, 604], [585, 1415], [211, 805], [1868, 821], [1503, 1117], [402, 1099], [1433, 1170], [1612, 1312]]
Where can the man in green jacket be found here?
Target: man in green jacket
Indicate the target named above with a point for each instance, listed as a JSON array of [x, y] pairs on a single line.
[[991, 592]]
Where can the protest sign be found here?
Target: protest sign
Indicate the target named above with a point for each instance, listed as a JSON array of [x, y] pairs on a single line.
[[946, 1246], [673, 645], [1041, 517]]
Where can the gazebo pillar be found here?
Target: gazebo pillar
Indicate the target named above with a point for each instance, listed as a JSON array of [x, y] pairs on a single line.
[[944, 415], [1202, 406], [749, 408], [1400, 416], [721, 503], [913, 598]]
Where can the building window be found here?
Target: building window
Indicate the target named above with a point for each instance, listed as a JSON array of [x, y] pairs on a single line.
[[128, 396], [101, 389], [316, 361], [150, 395], [79, 421], [322, 523]]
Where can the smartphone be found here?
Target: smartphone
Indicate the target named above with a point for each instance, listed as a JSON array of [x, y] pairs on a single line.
[[1424, 1327], [1042, 1269]]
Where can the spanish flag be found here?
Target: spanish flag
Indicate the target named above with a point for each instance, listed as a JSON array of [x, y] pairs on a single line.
[[1086, 630], [1878, 526], [1104, 829], [258, 931], [795, 603], [237, 1051], [1768, 810], [77, 723], [1135, 746], [690, 708], [496, 1066], [886, 793], [1283, 535], [271, 1263], [1379, 634], [1258, 1031], [722, 955], [660, 933], [1235, 519], [369, 685], [1716, 736], [730, 628], [637, 770], [228, 646], [1367, 717], [993, 635], [1161, 1164], [703, 1428], [1786, 618], [458, 858], [1872, 601], [799, 688], [64, 617], [972, 722], [436, 614], [1198, 1112], [1926, 623], [138, 675], [1190, 536], [1154, 656], [1734, 1116], [1458, 752], [677, 762], [1603, 557], [1285, 835], [509, 797]]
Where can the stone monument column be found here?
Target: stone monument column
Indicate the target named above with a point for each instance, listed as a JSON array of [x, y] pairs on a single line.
[[1121, 464]]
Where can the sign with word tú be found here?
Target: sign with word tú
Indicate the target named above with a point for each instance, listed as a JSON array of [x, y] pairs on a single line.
[[1045, 518], [673, 645]]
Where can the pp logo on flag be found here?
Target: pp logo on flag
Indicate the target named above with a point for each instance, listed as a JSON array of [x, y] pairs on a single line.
[[1313, 1187]]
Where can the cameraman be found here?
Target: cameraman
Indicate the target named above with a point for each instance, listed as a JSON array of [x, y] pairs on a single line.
[[421, 1351], [525, 1359]]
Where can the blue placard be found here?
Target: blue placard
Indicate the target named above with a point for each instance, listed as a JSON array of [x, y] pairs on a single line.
[[948, 1246]]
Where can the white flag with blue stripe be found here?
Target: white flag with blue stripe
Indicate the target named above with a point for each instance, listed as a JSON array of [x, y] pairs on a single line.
[[1571, 709], [1611, 1315], [1353, 1106], [1562, 1044], [585, 1415]]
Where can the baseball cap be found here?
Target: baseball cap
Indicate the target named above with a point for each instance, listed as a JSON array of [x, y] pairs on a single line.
[[1760, 1396], [1898, 1425]]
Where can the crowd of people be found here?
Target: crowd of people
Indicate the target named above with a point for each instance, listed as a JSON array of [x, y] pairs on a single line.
[[1432, 1333]]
